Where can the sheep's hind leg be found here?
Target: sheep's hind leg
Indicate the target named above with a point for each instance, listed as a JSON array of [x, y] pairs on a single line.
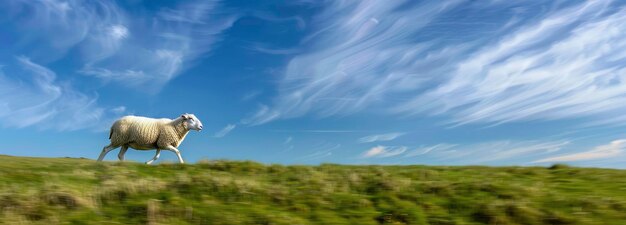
[[175, 150], [156, 156], [122, 152], [106, 150]]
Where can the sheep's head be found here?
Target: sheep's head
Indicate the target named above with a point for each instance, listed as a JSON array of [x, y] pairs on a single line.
[[192, 122]]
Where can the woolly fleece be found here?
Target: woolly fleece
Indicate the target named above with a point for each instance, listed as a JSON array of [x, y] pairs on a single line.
[[144, 133]]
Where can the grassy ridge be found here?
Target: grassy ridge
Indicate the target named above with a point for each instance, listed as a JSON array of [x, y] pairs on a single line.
[[80, 191]]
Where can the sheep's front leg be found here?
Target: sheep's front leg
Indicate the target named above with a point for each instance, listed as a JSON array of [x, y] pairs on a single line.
[[106, 150], [175, 150], [158, 153]]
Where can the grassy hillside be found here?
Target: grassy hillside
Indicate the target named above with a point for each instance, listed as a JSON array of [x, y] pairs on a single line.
[[80, 191]]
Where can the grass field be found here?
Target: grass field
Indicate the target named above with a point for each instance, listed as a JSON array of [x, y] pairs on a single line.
[[81, 191]]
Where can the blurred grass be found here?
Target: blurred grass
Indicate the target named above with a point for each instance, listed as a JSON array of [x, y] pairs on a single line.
[[81, 191]]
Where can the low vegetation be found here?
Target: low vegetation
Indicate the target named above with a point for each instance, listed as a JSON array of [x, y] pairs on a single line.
[[81, 191]]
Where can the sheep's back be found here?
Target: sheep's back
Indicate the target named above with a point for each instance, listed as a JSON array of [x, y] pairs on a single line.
[[134, 129]]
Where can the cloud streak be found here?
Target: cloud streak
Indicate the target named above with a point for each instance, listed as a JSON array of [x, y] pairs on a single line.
[[504, 152], [380, 137], [400, 58], [361, 55], [117, 46], [56, 27], [557, 68], [324, 150], [167, 46], [426, 150], [224, 131], [615, 148], [35, 98], [384, 151]]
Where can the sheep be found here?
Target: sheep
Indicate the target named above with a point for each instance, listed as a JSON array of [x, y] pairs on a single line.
[[142, 133]]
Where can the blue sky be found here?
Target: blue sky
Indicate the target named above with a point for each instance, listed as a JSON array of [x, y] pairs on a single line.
[[494, 82]]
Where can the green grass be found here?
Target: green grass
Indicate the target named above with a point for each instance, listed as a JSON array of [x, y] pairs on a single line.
[[81, 191]]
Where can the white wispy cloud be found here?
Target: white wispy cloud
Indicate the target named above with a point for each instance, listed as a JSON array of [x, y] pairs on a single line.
[[224, 131], [133, 49], [502, 151], [288, 144], [288, 140], [118, 31], [368, 55], [556, 68], [613, 149], [320, 131], [384, 151], [275, 51], [425, 150], [263, 115], [299, 21], [251, 95], [361, 55], [505, 152], [56, 27], [119, 110], [35, 98], [324, 150], [171, 43], [380, 137]]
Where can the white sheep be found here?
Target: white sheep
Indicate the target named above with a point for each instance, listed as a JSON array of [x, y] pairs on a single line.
[[142, 133]]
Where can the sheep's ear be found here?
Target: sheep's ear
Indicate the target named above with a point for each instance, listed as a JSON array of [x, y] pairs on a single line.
[[185, 116]]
